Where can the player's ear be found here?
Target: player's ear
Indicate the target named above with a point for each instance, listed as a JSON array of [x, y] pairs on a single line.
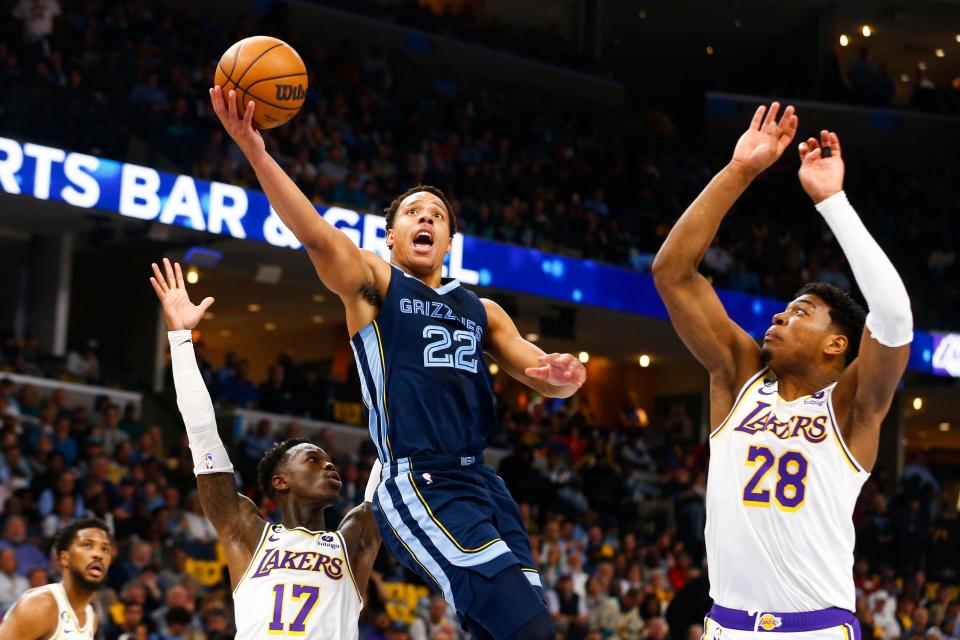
[[835, 345], [389, 238], [279, 483]]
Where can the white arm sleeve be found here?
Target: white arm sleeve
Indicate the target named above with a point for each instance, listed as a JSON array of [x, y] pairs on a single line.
[[889, 318], [196, 407], [373, 482]]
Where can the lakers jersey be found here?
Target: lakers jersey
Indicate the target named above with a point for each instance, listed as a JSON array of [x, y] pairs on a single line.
[[780, 496], [425, 383], [298, 584], [68, 624]]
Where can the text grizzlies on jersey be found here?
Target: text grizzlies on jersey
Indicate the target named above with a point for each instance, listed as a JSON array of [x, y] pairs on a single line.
[[431, 309]]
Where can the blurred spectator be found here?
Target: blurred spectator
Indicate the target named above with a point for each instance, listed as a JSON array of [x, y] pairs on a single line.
[[12, 584], [15, 538], [437, 620]]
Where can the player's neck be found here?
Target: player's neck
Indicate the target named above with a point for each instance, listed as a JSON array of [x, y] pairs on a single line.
[[796, 384], [308, 516], [78, 597], [433, 279]]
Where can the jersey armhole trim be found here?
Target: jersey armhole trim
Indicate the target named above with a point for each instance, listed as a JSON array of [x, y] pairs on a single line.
[[256, 552], [744, 390], [346, 556], [843, 445]]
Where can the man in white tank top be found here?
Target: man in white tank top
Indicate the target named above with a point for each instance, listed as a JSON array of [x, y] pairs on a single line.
[[62, 610], [796, 421], [293, 579]]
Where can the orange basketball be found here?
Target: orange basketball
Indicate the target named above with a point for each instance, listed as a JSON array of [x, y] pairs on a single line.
[[267, 71]]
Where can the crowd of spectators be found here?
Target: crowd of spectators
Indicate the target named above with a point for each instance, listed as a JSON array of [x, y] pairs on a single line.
[[519, 166], [615, 514]]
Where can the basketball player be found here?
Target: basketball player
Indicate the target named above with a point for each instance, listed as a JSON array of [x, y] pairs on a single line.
[[796, 420], [419, 343], [62, 610], [290, 579]]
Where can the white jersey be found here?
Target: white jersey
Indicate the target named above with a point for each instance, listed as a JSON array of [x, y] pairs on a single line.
[[780, 496], [68, 623], [299, 584]]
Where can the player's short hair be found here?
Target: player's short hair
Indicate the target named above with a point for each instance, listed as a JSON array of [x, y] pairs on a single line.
[[845, 312], [68, 533], [271, 460], [391, 211]]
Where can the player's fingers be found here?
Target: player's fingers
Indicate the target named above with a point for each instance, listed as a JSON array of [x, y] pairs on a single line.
[[216, 100], [541, 373], [232, 104], [206, 304], [835, 143], [179, 273], [168, 270], [758, 117], [248, 115], [159, 276], [824, 138], [771, 115], [156, 287]]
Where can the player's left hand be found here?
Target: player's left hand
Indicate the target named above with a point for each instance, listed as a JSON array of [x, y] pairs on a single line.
[[559, 369], [178, 311], [821, 166]]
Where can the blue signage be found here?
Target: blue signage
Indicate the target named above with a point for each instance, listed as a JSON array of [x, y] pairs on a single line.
[[144, 193]]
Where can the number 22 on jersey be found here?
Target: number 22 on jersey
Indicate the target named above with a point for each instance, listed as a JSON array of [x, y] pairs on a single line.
[[307, 595], [790, 489]]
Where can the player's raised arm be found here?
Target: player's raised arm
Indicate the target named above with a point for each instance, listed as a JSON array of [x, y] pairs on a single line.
[[555, 375], [728, 353], [865, 390], [361, 533], [343, 268], [235, 517]]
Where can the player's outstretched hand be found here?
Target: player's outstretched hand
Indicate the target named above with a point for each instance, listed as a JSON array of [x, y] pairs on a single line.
[[821, 166], [559, 369], [240, 129], [766, 138], [178, 311]]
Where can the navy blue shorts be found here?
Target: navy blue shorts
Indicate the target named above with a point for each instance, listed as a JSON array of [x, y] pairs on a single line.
[[451, 520]]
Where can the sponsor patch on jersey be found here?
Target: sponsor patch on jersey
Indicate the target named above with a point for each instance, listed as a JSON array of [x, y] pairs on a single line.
[[328, 540], [769, 622]]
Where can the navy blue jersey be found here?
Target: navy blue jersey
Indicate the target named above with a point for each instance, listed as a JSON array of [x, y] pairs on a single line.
[[424, 380]]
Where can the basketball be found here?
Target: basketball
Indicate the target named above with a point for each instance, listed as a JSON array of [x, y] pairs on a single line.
[[269, 72]]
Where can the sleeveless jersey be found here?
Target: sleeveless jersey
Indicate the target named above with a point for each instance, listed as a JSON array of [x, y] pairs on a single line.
[[781, 490], [299, 583], [422, 373], [68, 625]]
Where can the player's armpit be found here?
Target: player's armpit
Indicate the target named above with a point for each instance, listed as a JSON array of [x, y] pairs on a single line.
[[362, 537], [33, 617], [864, 393]]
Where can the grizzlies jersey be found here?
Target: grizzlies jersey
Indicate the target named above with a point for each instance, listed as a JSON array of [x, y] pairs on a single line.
[[422, 372], [781, 490], [299, 583], [68, 625]]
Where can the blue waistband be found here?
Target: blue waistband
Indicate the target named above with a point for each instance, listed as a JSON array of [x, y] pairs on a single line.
[[432, 463], [781, 622]]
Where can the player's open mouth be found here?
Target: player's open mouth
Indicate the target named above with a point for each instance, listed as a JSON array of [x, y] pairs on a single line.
[[96, 570], [423, 241]]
